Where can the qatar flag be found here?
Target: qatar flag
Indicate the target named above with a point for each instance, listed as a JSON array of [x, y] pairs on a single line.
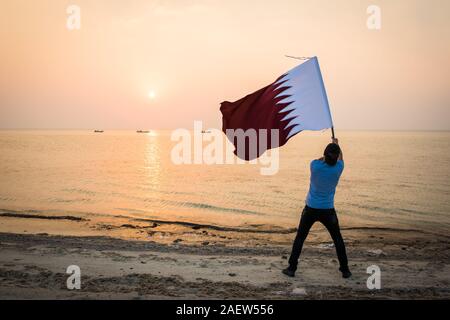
[[296, 101]]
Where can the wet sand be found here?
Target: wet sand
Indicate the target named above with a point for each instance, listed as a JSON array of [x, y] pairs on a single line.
[[124, 258]]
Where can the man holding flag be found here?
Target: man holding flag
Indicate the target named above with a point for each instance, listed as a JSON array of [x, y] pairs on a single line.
[[296, 101], [325, 174]]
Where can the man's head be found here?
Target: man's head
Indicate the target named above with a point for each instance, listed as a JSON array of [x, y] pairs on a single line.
[[331, 153]]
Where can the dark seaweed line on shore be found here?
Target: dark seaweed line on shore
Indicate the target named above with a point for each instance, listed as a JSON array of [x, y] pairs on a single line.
[[214, 227], [36, 216], [277, 231]]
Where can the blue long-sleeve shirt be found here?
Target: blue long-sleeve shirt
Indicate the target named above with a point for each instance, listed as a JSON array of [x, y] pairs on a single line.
[[324, 179]]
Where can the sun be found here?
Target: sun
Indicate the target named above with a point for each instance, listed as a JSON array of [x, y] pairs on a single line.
[[152, 94]]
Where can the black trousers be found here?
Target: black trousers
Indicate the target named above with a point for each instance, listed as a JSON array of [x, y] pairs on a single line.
[[329, 219]]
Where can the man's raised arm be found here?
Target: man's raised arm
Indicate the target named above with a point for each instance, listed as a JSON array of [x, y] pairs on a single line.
[[341, 156]]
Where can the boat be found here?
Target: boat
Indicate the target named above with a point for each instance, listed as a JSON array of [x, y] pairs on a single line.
[[98, 131], [142, 131]]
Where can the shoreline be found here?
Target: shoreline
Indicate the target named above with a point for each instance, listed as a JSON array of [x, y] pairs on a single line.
[[140, 223]]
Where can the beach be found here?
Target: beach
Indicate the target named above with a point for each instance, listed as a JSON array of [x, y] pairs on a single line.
[[145, 259]]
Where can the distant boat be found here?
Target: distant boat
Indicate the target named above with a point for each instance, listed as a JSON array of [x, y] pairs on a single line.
[[204, 131], [142, 131], [98, 131]]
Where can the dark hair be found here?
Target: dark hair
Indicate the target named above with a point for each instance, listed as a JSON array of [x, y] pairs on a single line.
[[331, 154]]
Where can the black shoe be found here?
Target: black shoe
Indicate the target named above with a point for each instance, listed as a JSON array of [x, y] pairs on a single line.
[[289, 272], [345, 273]]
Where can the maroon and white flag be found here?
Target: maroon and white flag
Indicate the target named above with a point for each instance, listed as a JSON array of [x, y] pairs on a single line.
[[296, 101]]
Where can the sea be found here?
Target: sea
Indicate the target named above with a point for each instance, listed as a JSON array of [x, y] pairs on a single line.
[[391, 179]]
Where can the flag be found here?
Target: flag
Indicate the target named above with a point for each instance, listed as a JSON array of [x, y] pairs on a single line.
[[296, 101]]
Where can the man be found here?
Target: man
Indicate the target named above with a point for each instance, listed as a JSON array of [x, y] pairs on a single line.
[[325, 174]]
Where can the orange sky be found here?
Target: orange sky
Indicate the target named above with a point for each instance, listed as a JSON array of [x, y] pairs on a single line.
[[195, 54]]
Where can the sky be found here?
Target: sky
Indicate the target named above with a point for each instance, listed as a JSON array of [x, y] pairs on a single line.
[[143, 64]]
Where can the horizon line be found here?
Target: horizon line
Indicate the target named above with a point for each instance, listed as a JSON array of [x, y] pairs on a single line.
[[166, 129]]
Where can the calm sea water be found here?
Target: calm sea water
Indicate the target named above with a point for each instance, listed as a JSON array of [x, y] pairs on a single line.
[[391, 179]]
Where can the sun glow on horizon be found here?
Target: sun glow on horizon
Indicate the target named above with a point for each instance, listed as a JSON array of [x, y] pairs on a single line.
[[152, 94]]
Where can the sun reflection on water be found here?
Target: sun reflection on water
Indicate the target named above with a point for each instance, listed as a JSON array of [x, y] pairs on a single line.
[[152, 164]]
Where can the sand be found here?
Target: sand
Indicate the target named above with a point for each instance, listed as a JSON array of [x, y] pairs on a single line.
[[153, 259]]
